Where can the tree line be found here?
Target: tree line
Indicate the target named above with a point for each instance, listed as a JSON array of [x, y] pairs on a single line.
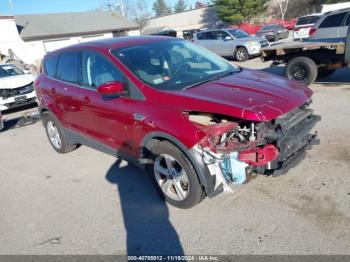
[[229, 11]]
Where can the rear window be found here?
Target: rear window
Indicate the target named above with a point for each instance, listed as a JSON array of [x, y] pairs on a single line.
[[333, 20], [50, 64], [67, 69], [307, 20]]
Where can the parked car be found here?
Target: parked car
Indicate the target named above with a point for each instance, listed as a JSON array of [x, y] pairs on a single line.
[[332, 26], [231, 43], [16, 87], [287, 24], [196, 121], [303, 26], [273, 32]]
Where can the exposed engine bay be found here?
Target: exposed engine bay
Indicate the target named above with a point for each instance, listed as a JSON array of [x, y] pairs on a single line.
[[233, 149]]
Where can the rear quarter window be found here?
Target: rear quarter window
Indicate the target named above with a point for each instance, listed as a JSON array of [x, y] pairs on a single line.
[[333, 20], [67, 68], [50, 65]]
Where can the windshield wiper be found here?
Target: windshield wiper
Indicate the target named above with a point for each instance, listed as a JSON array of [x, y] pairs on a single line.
[[217, 77]]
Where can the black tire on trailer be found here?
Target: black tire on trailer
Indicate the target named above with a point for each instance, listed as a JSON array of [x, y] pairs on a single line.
[[56, 136], [175, 176], [302, 69], [325, 73]]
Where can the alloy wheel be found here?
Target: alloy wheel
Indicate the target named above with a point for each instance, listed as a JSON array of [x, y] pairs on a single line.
[[171, 177], [54, 135]]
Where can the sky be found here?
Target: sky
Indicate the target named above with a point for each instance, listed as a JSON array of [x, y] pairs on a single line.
[[18, 7]]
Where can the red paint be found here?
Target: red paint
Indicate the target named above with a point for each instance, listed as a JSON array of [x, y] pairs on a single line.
[[248, 95], [259, 156]]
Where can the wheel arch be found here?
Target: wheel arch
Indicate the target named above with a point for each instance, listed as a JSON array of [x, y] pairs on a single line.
[[206, 180]]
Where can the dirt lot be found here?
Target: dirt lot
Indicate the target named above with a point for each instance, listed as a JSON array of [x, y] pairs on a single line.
[[86, 202]]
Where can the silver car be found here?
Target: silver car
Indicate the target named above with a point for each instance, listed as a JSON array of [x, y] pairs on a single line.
[[231, 43], [332, 26]]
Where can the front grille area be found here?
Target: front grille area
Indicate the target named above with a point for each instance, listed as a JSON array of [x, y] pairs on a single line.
[[7, 93]]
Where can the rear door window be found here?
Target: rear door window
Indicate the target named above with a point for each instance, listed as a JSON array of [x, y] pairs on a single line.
[[50, 65], [212, 35], [68, 67], [333, 20]]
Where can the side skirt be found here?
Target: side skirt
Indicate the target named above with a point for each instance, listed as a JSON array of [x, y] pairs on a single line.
[[92, 143]]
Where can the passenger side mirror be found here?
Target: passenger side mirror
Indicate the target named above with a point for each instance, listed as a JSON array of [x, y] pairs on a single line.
[[112, 89]]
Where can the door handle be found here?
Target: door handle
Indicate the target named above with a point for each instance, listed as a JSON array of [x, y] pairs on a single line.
[[86, 100]]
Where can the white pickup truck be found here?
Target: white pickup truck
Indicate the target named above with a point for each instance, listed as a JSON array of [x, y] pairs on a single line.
[[16, 87]]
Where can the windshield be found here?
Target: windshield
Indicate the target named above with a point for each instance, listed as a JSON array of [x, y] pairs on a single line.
[[9, 70], [238, 33], [173, 64], [307, 20]]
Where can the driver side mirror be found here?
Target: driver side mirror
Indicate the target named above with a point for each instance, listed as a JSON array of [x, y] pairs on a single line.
[[112, 89], [227, 38]]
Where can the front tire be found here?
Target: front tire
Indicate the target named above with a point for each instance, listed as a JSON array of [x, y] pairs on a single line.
[[302, 69], [175, 176], [241, 54], [56, 136]]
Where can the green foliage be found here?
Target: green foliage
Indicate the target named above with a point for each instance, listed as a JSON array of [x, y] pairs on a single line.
[[237, 11], [160, 7], [180, 6]]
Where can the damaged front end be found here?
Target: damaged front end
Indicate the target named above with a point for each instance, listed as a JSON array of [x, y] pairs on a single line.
[[233, 149]]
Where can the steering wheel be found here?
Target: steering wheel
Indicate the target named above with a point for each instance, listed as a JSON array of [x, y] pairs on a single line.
[[180, 68]]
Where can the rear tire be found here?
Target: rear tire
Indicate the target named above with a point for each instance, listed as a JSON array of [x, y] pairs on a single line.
[[241, 54], [56, 136], [302, 69], [175, 176]]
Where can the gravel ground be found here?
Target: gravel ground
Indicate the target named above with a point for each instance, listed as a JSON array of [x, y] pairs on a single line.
[[86, 202]]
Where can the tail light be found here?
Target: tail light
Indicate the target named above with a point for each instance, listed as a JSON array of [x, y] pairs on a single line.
[[312, 31]]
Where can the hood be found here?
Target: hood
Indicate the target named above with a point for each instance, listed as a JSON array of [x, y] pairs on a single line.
[[11, 82], [250, 94]]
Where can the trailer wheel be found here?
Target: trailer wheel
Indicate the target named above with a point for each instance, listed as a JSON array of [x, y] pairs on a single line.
[[302, 69]]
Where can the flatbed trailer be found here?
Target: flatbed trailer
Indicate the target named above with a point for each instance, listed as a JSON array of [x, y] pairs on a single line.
[[305, 61]]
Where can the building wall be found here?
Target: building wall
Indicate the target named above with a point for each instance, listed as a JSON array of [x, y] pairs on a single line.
[[31, 52], [193, 19]]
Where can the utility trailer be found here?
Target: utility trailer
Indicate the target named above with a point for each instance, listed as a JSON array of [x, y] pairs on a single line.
[[305, 61]]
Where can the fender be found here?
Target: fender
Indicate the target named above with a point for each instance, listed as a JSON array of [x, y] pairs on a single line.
[[206, 180]]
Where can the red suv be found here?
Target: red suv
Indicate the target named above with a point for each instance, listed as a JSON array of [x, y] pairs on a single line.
[[199, 122]]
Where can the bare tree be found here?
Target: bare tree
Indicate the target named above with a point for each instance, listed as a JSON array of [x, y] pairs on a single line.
[[141, 13], [283, 6], [136, 10]]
